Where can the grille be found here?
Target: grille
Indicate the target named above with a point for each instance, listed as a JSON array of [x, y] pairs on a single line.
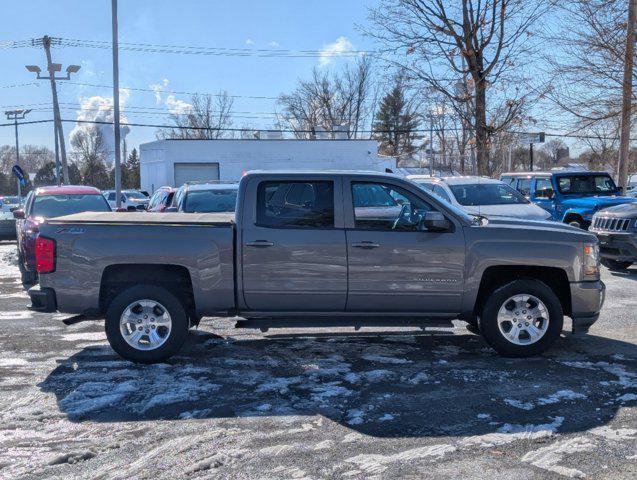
[[612, 224]]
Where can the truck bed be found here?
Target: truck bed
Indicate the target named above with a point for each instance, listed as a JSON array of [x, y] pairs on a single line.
[[145, 218]]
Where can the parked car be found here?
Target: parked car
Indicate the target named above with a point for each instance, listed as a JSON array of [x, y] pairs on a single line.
[[49, 202], [301, 248], [616, 229], [482, 196], [205, 198], [9, 203], [161, 199], [570, 197], [7, 222], [130, 200]]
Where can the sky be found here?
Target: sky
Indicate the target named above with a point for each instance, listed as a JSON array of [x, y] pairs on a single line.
[[329, 25]]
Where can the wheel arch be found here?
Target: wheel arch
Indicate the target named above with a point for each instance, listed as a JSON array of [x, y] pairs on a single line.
[[174, 278], [494, 277]]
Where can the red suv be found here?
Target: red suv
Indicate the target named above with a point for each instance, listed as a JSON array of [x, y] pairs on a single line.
[[49, 202]]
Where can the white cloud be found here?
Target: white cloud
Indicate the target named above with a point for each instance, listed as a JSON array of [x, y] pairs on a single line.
[[273, 44], [100, 109], [249, 41], [158, 88], [176, 106], [334, 49]]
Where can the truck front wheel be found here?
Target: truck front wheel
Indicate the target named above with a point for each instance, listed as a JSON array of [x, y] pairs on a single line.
[[146, 324], [522, 318]]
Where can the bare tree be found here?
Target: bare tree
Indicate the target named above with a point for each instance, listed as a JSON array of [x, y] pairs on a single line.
[[587, 60], [329, 99], [470, 51], [89, 153], [206, 117]]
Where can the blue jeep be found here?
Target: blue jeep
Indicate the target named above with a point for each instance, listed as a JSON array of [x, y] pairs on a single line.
[[570, 197]]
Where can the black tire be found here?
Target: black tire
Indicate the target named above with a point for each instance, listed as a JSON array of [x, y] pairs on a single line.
[[176, 337], [489, 318], [29, 278], [615, 265], [576, 222]]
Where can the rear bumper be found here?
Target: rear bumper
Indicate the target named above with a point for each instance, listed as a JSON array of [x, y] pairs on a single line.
[[42, 299], [587, 299]]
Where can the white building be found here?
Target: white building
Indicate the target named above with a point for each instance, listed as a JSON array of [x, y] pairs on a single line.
[[174, 162]]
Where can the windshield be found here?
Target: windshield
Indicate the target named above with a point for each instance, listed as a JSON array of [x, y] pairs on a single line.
[[135, 195], [586, 185], [50, 206], [487, 194], [207, 201]]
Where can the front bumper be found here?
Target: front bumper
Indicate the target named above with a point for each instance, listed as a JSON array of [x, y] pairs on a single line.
[[42, 299], [587, 299], [621, 247]]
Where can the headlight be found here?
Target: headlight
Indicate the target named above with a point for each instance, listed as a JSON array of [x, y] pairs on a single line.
[[590, 264]]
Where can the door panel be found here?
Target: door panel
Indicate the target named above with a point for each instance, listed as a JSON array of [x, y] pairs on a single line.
[[303, 270], [406, 272], [395, 265], [293, 256]]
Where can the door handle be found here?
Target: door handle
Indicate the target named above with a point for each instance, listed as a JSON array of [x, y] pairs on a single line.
[[260, 243], [365, 244]]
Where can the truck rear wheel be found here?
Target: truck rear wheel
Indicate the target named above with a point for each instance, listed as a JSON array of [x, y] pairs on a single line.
[[522, 318], [146, 324]]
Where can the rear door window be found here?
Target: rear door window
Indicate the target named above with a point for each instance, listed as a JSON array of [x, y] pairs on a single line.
[[297, 204]]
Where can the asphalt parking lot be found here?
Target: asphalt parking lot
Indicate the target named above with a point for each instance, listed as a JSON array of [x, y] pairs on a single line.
[[373, 403]]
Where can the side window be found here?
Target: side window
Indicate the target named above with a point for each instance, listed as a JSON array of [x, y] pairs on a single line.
[[296, 204], [111, 197], [524, 186], [543, 188], [379, 206], [438, 190], [509, 180]]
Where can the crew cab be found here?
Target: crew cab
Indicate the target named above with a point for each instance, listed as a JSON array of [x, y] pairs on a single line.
[[570, 197], [321, 248]]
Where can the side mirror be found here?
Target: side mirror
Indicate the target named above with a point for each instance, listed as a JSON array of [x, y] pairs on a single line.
[[435, 222], [18, 214], [171, 210]]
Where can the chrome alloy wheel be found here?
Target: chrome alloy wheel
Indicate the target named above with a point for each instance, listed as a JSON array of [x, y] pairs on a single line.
[[523, 319], [145, 324]]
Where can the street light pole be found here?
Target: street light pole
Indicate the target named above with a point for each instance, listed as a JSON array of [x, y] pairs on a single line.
[[118, 169], [16, 115], [51, 67]]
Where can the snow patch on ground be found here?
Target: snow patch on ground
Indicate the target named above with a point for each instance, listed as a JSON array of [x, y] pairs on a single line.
[[84, 337], [91, 396], [548, 458], [13, 362], [627, 397], [615, 434], [512, 432], [559, 396], [519, 404], [385, 359], [375, 464]]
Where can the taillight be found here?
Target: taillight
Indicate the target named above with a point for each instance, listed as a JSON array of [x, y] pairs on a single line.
[[45, 255]]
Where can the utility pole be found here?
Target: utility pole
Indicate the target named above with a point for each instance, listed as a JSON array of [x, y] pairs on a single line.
[[118, 152], [51, 67], [531, 155], [16, 115], [627, 92], [431, 145], [57, 154]]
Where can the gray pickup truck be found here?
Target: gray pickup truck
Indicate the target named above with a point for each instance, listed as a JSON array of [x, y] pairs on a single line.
[[362, 248]]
